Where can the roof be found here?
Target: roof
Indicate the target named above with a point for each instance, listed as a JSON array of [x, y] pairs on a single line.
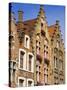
[[29, 24], [51, 30]]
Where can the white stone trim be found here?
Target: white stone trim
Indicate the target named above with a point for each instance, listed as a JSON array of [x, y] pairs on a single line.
[[26, 36], [22, 78], [12, 61], [24, 61], [32, 68], [30, 80]]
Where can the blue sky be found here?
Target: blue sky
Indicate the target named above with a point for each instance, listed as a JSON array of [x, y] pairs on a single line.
[[52, 12]]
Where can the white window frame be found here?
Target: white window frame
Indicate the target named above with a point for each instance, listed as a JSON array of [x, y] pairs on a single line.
[[11, 69], [24, 61], [26, 36], [32, 66], [22, 78], [31, 81]]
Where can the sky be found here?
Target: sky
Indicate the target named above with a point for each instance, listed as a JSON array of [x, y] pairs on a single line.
[[52, 13]]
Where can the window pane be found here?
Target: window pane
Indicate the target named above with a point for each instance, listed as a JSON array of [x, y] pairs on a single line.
[[21, 82], [29, 83], [21, 59], [30, 62]]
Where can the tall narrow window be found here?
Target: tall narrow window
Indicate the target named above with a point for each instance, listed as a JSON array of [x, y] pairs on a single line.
[[46, 74], [45, 55], [12, 65], [38, 47], [30, 62], [13, 75], [58, 44], [55, 62], [27, 41], [60, 64], [46, 78], [38, 70], [21, 59]]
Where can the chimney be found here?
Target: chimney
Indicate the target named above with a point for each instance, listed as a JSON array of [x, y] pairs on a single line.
[[41, 7], [57, 22], [20, 16]]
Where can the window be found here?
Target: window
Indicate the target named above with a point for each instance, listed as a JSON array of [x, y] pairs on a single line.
[[11, 40], [27, 42], [37, 76], [22, 59], [41, 24], [38, 70], [38, 50], [55, 62], [30, 62], [37, 43], [21, 82], [45, 73], [46, 78], [45, 55], [13, 74], [51, 41], [37, 37], [46, 42], [58, 44], [61, 80], [55, 80], [37, 47], [60, 64], [12, 66], [30, 82]]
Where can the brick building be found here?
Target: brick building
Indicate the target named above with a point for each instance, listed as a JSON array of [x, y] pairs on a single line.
[[36, 51]]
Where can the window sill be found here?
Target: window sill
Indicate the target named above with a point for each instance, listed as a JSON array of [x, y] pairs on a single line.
[[26, 70]]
